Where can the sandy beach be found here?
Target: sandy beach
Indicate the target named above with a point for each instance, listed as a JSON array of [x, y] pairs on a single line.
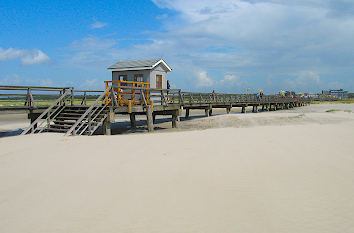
[[285, 171]]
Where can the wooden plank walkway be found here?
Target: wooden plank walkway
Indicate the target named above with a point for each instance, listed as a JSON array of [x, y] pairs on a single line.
[[70, 112]]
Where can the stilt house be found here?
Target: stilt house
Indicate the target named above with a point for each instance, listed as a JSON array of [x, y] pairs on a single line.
[[153, 71]]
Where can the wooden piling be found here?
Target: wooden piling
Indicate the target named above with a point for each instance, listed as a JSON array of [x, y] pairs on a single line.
[[149, 118], [174, 119], [243, 110], [206, 112], [187, 113], [132, 121], [106, 127]]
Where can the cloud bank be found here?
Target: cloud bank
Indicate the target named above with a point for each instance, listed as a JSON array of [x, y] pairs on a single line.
[[27, 57]]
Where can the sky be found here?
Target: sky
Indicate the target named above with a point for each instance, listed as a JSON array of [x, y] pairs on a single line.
[[226, 45]]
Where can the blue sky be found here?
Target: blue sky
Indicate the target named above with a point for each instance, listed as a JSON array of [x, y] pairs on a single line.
[[228, 45]]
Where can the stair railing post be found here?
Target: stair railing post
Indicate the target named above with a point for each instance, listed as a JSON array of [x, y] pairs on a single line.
[[84, 99], [27, 98], [72, 96], [181, 100], [89, 122]]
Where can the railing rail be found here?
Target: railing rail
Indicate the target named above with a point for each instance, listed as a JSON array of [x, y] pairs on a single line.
[[57, 103], [99, 105]]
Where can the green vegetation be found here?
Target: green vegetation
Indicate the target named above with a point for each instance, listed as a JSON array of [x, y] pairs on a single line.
[[346, 101], [39, 103], [333, 110]]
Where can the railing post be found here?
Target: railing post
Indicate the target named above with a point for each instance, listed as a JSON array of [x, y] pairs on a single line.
[[72, 96], [89, 122], [181, 100]]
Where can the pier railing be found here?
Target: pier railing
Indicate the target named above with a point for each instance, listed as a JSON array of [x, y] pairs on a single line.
[[127, 93], [32, 97]]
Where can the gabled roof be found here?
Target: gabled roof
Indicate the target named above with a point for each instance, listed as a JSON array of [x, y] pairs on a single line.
[[138, 65]]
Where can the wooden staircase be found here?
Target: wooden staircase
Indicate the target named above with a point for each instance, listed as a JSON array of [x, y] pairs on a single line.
[[67, 118], [74, 119]]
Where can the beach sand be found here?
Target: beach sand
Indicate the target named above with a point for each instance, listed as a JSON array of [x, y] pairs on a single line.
[[285, 171]]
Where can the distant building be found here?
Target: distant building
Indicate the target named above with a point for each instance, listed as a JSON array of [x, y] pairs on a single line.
[[340, 94], [153, 71]]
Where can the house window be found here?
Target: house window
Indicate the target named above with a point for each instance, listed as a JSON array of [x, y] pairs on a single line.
[[138, 78], [158, 81], [123, 77]]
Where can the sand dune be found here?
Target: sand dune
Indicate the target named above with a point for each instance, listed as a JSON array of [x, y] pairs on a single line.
[[286, 171]]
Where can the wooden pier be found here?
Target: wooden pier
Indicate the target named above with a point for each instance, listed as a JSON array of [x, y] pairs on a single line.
[[76, 112]]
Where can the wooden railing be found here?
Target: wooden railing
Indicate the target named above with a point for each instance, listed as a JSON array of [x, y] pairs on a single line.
[[128, 91], [49, 114], [30, 97]]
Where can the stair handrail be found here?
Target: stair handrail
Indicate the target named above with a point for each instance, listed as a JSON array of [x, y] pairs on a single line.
[[95, 104], [31, 127]]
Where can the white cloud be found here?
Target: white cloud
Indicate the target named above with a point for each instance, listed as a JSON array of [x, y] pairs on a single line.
[[27, 57], [203, 80], [230, 80], [46, 82], [97, 24], [260, 37], [34, 57], [90, 84], [15, 79], [91, 51], [303, 81]]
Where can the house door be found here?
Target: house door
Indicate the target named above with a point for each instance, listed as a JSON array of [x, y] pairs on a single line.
[[159, 81]]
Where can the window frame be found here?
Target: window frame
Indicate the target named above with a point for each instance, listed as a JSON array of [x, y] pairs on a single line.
[[157, 81]]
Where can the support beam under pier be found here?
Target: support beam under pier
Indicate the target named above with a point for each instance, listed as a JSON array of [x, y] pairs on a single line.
[[149, 118], [175, 118], [132, 121]]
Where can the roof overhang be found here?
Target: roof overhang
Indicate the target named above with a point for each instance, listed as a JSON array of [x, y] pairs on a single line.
[[143, 67], [163, 63], [129, 69]]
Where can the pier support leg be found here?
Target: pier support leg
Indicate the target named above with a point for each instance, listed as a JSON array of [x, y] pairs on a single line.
[[153, 118], [149, 118], [255, 108], [243, 110], [106, 127], [207, 112], [262, 107], [228, 110], [132, 121], [210, 112], [174, 119], [33, 117], [187, 113]]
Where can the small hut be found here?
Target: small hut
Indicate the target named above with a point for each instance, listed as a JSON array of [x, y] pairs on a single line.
[[153, 71]]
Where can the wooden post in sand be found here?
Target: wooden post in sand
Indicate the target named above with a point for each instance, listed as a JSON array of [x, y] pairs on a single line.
[[174, 119], [243, 110], [149, 118], [132, 121], [187, 113], [206, 112], [228, 110], [106, 127]]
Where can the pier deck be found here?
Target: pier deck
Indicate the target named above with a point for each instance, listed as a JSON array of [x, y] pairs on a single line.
[[76, 112]]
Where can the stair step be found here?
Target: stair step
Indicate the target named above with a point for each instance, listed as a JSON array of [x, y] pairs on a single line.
[[56, 126], [71, 122], [57, 130]]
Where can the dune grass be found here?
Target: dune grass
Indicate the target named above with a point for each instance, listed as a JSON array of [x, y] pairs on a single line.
[[346, 101]]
